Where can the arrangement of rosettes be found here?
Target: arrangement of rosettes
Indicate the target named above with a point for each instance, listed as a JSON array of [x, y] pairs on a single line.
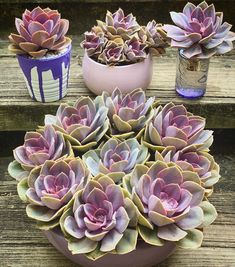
[[116, 169]]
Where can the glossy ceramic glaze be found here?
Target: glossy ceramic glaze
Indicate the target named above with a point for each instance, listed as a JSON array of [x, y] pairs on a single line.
[[144, 256], [99, 77], [46, 78]]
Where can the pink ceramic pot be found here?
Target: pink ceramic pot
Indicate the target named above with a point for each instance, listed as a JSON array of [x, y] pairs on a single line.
[[144, 256], [99, 77]]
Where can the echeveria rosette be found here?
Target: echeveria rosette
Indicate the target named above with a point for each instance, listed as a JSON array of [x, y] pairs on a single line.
[[154, 36], [170, 204], [118, 24], [39, 31], [173, 125], [200, 162], [49, 188], [100, 219], [47, 144], [200, 31], [128, 114], [116, 158], [135, 50], [113, 53], [93, 43], [83, 124]]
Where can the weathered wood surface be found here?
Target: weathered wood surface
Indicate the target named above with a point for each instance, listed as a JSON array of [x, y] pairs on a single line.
[[19, 112], [21, 244]]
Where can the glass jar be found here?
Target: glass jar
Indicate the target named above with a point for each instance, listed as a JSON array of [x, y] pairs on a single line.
[[191, 76]]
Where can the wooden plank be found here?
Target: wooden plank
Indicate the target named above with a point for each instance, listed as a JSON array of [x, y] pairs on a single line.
[[21, 244]]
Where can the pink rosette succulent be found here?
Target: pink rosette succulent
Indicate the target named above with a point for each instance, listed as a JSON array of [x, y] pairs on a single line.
[[200, 31], [116, 158], [49, 188], [113, 52], [118, 24], [189, 158], [170, 204], [135, 50], [39, 31], [173, 125], [128, 114], [46, 144], [83, 124], [100, 219], [93, 43]]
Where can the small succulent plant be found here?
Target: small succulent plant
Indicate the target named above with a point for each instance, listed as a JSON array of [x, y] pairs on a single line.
[[39, 31], [38, 147], [113, 52], [118, 24], [154, 36], [49, 188], [93, 43], [120, 40], [128, 114], [173, 125], [120, 191], [200, 31], [116, 158], [170, 203], [100, 219], [189, 158], [83, 124]]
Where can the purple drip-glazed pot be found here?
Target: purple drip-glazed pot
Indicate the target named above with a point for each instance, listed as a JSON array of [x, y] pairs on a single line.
[[46, 78], [99, 77], [144, 256]]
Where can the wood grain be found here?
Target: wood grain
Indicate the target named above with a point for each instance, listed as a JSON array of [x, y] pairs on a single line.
[[218, 105], [21, 244]]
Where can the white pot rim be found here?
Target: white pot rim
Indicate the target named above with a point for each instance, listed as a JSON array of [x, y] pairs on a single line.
[[120, 67]]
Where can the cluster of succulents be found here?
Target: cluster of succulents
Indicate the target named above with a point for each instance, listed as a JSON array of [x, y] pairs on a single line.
[[118, 169], [120, 40], [39, 31], [200, 31]]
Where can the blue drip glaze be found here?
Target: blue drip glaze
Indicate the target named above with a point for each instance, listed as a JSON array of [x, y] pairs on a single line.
[[53, 64]]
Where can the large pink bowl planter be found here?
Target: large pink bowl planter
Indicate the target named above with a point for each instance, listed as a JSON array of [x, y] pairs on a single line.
[[144, 255], [99, 77]]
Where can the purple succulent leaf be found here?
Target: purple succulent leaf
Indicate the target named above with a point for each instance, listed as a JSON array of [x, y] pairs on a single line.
[[171, 232]]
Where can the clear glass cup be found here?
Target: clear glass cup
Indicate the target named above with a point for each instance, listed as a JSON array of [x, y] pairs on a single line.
[[191, 76]]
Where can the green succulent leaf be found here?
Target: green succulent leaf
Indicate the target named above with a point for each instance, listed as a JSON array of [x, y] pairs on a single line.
[[128, 242], [150, 236], [42, 213], [210, 213], [192, 240], [144, 221], [48, 225], [16, 171], [65, 214], [81, 246], [126, 183], [22, 188], [95, 254]]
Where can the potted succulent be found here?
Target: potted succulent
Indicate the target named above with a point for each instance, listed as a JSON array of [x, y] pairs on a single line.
[[199, 33], [118, 53], [132, 199], [43, 53]]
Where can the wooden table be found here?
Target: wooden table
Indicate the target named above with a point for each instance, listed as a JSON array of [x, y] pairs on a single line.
[[21, 244]]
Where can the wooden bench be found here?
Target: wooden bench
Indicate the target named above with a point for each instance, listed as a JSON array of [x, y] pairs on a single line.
[[21, 244]]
